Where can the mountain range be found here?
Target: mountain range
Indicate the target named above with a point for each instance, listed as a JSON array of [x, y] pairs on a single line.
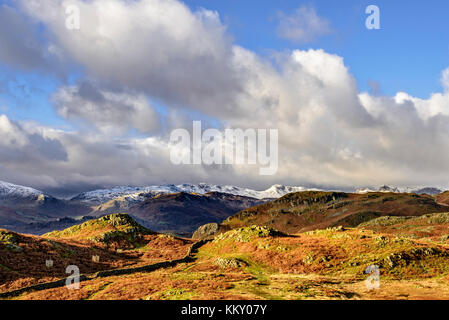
[[417, 190], [138, 193], [166, 208], [178, 209]]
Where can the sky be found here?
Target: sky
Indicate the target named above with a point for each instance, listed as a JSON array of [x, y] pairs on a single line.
[[94, 107], [392, 56]]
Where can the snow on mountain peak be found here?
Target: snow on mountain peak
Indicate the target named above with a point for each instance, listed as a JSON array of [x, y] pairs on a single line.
[[9, 190], [417, 190], [105, 195], [12, 190], [278, 191]]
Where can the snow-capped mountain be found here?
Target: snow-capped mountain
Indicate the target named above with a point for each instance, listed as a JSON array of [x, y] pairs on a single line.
[[135, 193], [9, 190], [278, 191], [380, 189], [426, 190], [417, 190], [26, 209]]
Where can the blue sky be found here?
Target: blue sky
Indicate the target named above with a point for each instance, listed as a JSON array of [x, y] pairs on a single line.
[[407, 54]]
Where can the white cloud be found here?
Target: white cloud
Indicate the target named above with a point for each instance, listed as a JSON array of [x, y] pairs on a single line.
[[20, 147], [156, 46], [445, 79], [302, 26], [11, 134]]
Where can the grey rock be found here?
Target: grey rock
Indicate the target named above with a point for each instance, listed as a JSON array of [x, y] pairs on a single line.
[[206, 230]]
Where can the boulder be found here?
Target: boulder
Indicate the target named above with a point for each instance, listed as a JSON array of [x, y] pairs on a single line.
[[230, 263], [206, 230]]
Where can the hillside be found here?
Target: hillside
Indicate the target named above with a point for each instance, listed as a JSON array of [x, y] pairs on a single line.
[[262, 263], [182, 213], [117, 230], [304, 245], [304, 211], [443, 198], [116, 239], [433, 227], [27, 210]]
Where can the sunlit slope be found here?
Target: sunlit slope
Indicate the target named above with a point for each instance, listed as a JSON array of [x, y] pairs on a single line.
[[262, 263], [304, 211]]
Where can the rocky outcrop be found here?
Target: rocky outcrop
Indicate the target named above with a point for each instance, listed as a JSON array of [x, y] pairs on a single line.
[[247, 234], [206, 231], [9, 239], [230, 263], [113, 230]]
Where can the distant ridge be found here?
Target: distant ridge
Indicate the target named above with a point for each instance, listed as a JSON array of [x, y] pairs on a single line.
[[418, 190], [17, 191], [100, 196], [105, 195]]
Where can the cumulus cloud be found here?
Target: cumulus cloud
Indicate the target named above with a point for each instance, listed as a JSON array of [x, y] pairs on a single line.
[[437, 104], [302, 26], [113, 113], [22, 147], [329, 132], [156, 46]]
